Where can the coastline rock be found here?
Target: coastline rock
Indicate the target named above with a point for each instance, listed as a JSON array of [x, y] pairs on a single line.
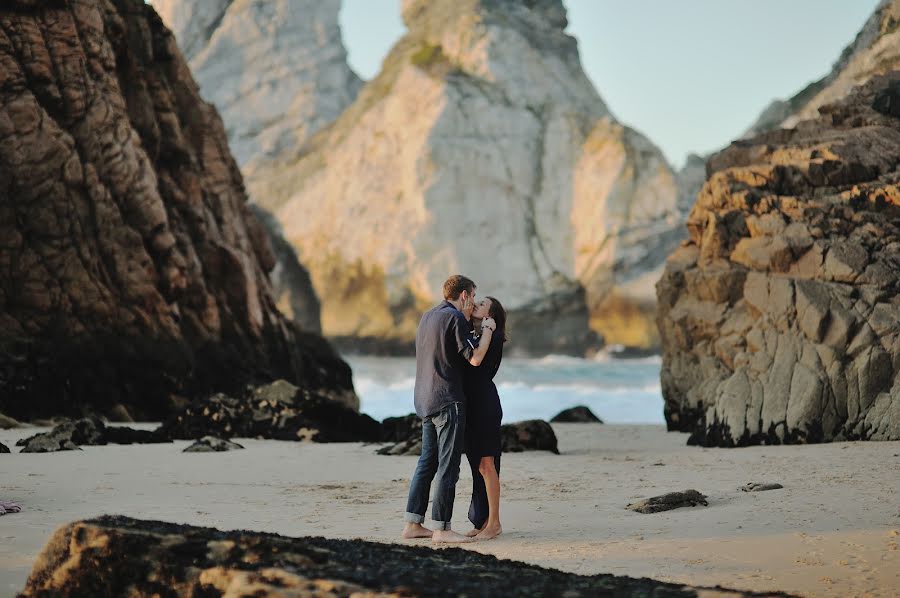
[[153, 557], [481, 136], [780, 315], [279, 411], [276, 70], [580, 414], [875, 51], [211, 444], [400, 429], [529, 435], [4, 448], [667, 502], [89, 431], [8, 423], [132, 268]]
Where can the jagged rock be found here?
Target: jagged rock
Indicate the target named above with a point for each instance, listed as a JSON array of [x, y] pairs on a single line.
[[529, 435], [579, 414], [399, 429], [153, 557], [132, 269], [89, 431], [481, 125], [276, 69], [875, 51], [667, 502], [760, 487], [3, 448], [780, 316], [279, 411], [211, 444]]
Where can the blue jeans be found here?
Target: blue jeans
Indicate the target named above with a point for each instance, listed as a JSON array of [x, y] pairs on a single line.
[[442, 443]]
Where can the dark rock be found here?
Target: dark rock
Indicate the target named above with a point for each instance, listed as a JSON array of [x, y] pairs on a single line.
[[760, 487], [400, 429], [8, 423], [579, 414], [529, 435], [3, 448], [784, 326], [667, 502], [887, 101], [89, 431], [115, 556], [278, 411], [131, 266], [211, 444]]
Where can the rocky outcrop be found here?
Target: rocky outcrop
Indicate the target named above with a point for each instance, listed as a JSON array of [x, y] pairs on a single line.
[[156, 558], [667, 502], [276, 69], [3, 448], [528, 435], [131, 270], [780, 316], [482, 148], [580, 415], [875, 51], [89, 431], [279, 411], [211, 444]]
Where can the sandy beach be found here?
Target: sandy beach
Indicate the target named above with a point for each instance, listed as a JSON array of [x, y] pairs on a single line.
[[834, 530]]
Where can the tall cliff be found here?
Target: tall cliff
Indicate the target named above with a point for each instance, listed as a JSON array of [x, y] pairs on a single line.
[[481, 147], [131, 269], [874, 51], [780, 316]]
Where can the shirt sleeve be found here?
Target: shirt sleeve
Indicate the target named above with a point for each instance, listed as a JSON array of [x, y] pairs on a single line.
[[460, 329]]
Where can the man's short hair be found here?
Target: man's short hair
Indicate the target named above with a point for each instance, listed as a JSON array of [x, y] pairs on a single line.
[[455, 285]]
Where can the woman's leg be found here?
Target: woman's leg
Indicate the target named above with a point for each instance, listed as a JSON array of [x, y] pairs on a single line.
[[488, 470]]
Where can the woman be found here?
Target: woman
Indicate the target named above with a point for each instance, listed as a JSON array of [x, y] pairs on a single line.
[[483, 420]]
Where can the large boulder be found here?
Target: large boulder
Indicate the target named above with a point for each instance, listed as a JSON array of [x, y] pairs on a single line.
[[780, 316], [528, 435], [116, 556], [481, 142], [580, 414], [131, 269], [280, 411], [88, 431]]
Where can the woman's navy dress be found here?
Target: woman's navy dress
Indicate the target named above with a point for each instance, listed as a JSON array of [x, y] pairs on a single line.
[[483, 415]]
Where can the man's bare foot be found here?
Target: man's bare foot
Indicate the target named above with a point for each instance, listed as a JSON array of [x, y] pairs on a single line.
[[489, 532], [448, 536], [415, 530], [473, 532]]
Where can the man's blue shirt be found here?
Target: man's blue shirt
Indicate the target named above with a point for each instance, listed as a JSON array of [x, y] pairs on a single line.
[[443, 346]]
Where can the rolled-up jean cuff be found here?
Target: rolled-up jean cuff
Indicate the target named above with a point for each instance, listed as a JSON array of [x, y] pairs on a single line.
[[414, 518], [440, 525]]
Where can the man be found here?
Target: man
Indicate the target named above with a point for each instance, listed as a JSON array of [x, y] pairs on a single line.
[[443, 346]]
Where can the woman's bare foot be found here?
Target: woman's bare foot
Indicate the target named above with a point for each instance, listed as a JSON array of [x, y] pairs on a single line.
[[415, 530], [473, 532], [448, 536], [489, 532]]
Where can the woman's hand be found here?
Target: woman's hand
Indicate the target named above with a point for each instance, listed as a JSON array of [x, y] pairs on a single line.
[[488, 324]]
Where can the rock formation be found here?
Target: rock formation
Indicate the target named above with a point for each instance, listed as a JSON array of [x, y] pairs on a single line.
[[89, 431], [157, 558], [876, 50], [131, 270], [580, 414], [276, 69], [780, 316], [481, 147]]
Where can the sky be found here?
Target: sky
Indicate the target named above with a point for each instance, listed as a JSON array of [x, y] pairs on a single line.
[[689, 74]]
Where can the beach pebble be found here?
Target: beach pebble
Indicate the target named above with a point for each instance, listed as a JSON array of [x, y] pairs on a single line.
[[667, 502], [579, 415], [211, 444], [760, 486]]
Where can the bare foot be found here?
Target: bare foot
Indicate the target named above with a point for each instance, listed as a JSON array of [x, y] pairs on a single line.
[[473, 532], [489, 532], [448, 536], [415, 530]]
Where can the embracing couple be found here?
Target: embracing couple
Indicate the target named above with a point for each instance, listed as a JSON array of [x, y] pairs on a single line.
[[459, 346]]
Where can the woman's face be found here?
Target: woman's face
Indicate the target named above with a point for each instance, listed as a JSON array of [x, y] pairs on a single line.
[[482, 309]]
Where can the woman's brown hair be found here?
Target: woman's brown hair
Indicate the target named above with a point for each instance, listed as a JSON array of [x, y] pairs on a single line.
[[499, 314]]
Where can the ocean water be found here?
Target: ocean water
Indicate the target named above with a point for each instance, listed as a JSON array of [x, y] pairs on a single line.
[[616, 390]]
